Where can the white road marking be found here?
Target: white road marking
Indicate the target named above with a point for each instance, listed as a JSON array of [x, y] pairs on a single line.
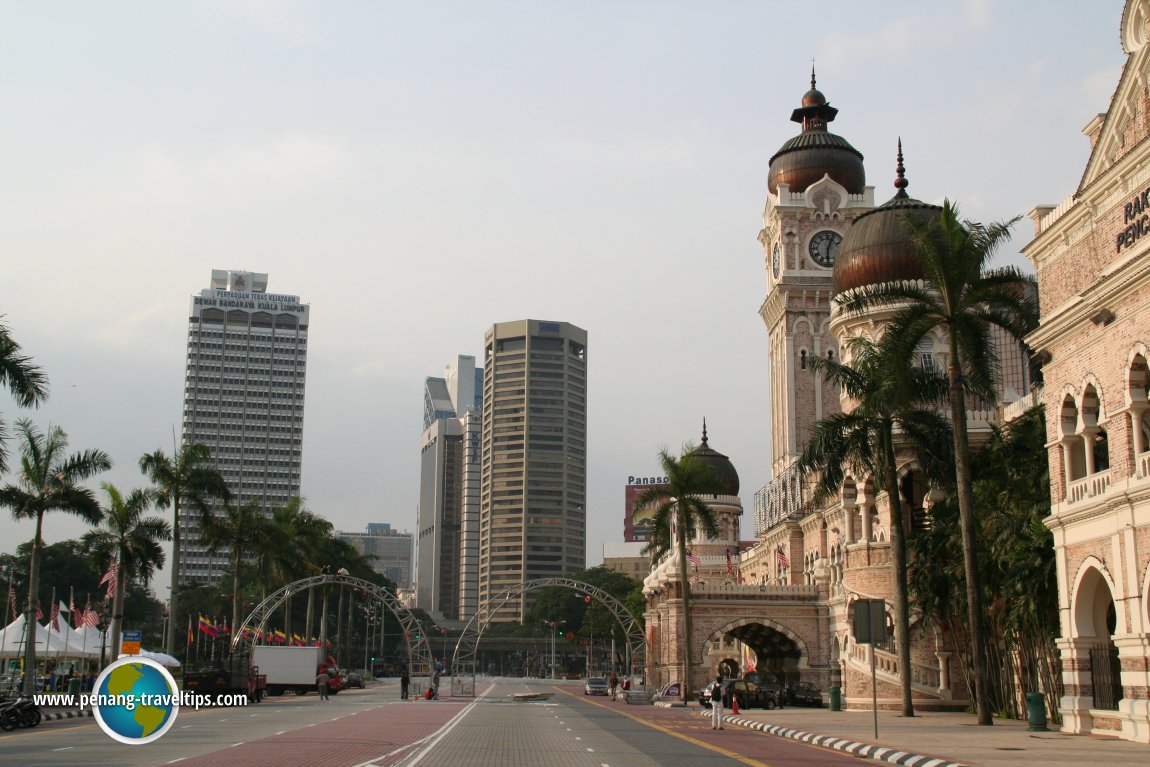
[[65, 748], [182, 758], [236, 744], [281, 732], [591, 750]]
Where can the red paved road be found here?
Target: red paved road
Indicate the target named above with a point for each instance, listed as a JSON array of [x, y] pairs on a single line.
[[370, 735]]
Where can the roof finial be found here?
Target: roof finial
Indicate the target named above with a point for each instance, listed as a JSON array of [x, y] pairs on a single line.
[[812, 74], [704, 430], [900, 182]]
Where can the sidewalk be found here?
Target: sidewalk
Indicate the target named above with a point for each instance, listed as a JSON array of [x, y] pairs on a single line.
[[952, 737]]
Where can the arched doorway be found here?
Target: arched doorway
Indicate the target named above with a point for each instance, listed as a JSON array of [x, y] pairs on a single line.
[[771, 650], [1096, 618]]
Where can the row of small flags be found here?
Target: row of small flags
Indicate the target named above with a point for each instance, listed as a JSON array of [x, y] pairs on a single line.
[[780, 559], [275, 636], [80, 618]]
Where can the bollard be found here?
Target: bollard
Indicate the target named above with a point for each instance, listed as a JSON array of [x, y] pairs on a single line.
[[734, 705], [836, 698], [1036, 712]]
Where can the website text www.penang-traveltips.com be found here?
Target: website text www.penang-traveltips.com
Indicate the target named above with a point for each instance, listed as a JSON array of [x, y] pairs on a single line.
[[185, 699]]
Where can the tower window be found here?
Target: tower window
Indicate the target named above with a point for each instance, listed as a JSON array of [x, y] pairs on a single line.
[[927, 361], [803, 359]]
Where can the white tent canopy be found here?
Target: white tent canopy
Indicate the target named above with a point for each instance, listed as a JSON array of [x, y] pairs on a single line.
[[13, 637], [65, 643]]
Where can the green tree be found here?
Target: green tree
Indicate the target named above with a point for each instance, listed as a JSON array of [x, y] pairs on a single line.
[[25, 382], [48, 480], [961, 297], [185, 477], [130, 541], [239, 531], [294, 540], [1016, 565], [892, 409], [679, 504]]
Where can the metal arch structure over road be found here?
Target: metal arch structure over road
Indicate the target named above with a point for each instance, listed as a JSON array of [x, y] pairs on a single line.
[[467, 649], [418, 653]]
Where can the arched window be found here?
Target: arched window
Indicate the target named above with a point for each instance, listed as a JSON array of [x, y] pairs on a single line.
[[1101, 448], [802, 359]]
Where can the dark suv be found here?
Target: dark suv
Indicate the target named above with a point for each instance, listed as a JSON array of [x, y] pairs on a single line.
[[748, 693]]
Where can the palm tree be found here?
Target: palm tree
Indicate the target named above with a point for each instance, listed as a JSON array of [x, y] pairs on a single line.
[[864, 440], [290, 548], [48, 481], [680, 504], [187, 476], [129, 540], [959, 296], [239, 530], [25, 381]]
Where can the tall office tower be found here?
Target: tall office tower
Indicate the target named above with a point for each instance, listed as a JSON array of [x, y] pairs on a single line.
[[469, 530], [446, 402], [532, 516], [243, 399], [387, 551]]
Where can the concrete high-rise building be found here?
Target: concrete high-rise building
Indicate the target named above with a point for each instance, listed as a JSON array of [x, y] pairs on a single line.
[[534, 448], [243, 399], [448, 401], [389, 552]]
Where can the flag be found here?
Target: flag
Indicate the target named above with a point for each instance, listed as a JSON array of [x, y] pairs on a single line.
[[110, 579], [781, 558], [674, 528], [72, 609], [39, 612], [56, 615], [11, 597], [208, 627], [191, 634], [694, 559], [91, 619], [280, 637], [730, 566]]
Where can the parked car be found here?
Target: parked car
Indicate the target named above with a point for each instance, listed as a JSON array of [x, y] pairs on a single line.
[[804, 694], [595, 685], [748, 693], [354, 679], [770, 682]]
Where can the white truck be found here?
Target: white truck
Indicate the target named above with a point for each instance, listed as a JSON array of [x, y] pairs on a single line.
[[295, 669]]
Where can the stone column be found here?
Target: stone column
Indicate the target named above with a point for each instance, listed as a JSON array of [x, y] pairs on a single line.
[[943, 674], [1077, 681], [1134, 655]]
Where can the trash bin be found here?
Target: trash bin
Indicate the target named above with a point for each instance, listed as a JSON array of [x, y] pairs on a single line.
[[1036, 712], [836, 698]]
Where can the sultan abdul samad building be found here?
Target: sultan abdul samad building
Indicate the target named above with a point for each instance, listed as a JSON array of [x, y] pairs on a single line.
[[786, 604]]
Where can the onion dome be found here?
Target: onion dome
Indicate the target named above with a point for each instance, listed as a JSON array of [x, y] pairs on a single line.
[[815, 152], [878, 247], [724, 469]]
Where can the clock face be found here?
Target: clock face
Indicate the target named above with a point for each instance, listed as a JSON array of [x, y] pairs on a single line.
[[776, 261], [824, 246]]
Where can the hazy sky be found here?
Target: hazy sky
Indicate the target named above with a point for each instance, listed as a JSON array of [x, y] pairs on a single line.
[[418, 171]]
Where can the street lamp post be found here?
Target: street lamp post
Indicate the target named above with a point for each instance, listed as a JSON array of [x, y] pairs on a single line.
[[105, 621]]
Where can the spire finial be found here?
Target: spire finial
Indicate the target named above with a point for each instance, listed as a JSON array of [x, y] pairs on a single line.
[[704, 430], [900, 182], [812, 74]]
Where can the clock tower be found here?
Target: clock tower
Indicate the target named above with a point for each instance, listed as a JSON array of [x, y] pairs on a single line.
[[816, 188]]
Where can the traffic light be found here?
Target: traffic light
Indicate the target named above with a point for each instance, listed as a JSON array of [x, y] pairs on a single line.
[[587, 599], [559, 632]]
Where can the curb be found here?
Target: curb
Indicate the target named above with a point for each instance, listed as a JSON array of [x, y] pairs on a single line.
[[51, 716], [853, 747]]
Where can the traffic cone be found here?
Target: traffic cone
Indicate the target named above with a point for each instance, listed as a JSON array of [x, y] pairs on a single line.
[[734, 705]]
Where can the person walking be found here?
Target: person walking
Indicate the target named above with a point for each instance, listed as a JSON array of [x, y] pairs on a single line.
[[611, 685], [321, 680], [717, 703], [404, 684]]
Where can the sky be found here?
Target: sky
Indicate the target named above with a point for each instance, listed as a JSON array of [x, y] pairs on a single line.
[[419, 171]]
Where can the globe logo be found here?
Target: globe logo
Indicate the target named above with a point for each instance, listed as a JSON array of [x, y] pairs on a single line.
[[135, 700]]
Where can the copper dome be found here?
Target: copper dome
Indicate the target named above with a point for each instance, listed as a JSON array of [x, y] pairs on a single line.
[[878, 247], [815, 152], [724, 469]]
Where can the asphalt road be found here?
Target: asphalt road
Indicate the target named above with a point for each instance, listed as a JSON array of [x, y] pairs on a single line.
[[362, 728]]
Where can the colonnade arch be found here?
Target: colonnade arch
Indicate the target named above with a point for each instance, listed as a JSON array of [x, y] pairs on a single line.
[[418, 650], [463, 660]]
